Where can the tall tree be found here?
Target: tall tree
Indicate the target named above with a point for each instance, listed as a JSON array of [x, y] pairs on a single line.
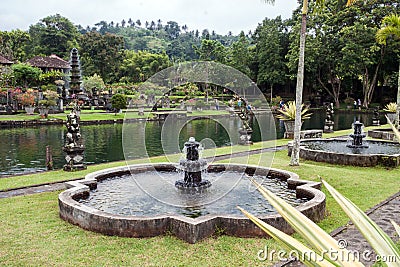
[[13, 43], [211, 50], [159, 24], [101, 54], [391, 28], [141, 65], [271, 47], [240, 55], [173, 29], [294, 160], [53, 35], [102, 27], [183, 48]]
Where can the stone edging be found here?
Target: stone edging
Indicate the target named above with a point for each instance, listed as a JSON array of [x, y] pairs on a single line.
[[362, 160], [385, 134], [188, 229]]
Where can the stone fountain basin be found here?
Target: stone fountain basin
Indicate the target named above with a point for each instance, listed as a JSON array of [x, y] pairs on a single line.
[[352, 159], [188, 229]]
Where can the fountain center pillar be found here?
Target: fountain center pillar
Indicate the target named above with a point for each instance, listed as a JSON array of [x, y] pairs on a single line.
[[192, 166], [357, 136]]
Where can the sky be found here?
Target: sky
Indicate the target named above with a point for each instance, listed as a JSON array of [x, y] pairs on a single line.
[[219, 15]]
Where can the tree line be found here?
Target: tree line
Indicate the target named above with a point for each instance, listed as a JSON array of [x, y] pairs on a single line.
[[342, 59]]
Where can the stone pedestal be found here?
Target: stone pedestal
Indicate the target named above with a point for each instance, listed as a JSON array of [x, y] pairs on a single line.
[[329, 122], [391, 116], [74, 159], [328, 127], [245, 137], [376, 122], [73, 145], [375, 118], [140, 111]]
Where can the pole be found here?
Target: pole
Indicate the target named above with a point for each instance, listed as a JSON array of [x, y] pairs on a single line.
[[49, 158]]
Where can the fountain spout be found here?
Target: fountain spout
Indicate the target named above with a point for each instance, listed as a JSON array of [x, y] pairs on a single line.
[[357, 136], [192, 166]]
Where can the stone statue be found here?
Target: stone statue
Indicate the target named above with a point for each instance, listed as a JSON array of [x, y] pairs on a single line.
[[245, 114], [73, 135], [329, 121], [73, 144]]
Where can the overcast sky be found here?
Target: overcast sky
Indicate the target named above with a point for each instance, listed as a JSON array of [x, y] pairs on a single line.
[[219, 15]]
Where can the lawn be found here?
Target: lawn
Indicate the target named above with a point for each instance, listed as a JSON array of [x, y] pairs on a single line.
[[33, 234], [90, 115]]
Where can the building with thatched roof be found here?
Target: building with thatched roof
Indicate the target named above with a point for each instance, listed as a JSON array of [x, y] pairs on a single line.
[[50, 63], [5, 62]]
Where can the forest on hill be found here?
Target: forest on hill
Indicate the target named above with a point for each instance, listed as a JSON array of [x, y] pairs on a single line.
[[343, 58]]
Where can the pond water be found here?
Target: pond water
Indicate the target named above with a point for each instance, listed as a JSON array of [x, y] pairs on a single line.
[[340, 147], [23, 150], [121, 195]]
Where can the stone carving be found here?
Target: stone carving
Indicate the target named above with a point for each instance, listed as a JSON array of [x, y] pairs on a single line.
[[329, 122], [73, 144]]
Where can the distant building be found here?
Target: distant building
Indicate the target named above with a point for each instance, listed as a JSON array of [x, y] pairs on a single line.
[[5, 62], [50, 63]]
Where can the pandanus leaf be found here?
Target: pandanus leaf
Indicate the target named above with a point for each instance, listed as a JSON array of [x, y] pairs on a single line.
[[376, 237], [320, 241], [290, 243]]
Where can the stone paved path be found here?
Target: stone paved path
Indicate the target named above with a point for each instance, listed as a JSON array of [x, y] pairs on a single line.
[[349, 234], [32, 190]]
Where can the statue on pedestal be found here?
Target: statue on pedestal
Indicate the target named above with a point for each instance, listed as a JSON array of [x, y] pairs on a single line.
[[73, 144]]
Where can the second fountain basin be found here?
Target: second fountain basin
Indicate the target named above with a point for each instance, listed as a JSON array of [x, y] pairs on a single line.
[[334, 151]]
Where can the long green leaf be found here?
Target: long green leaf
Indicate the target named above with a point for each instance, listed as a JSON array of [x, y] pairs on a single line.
[[395, 131], [396, 227], [376, 237], [318, 238], [290, 243]]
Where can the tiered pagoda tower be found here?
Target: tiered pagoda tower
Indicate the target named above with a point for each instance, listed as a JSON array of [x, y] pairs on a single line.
[[75, 83]]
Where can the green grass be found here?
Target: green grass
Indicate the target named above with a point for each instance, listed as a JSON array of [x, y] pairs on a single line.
[[34, 235], [90, 115], [87, 116], [208, 113]]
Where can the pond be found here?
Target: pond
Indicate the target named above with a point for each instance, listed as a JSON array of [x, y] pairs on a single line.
[[23, 150]]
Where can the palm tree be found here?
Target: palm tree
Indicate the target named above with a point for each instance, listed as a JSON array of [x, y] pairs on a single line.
[[391, 27], [294, 160]]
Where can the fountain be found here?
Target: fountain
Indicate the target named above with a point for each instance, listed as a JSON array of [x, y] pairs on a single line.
[[192, 167], [350, 152], [357, 136], [116, 201]]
